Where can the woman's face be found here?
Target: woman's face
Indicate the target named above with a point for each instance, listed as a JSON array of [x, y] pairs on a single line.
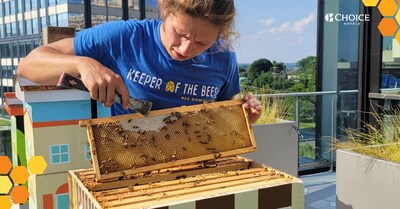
[[185, 37]]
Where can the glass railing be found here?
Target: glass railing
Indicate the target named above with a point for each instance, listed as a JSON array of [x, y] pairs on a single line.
[[321, 118]]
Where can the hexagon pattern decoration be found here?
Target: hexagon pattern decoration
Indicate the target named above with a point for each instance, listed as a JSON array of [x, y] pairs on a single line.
[[19, 175], [370, 3], [5, 185], [37, 165], [387, 26], [387, 7], [5, 202], [19, 195], [5, 165]]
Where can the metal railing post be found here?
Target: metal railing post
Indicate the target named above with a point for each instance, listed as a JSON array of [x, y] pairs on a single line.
[[331, 149]]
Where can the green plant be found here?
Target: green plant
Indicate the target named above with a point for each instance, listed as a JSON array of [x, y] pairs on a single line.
[[274, 109], [381, 141]]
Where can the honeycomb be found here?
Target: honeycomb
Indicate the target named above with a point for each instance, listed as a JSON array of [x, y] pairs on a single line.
[[128, 144]]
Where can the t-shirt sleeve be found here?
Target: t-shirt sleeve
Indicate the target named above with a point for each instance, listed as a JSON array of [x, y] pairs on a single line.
[[99, 42], [232, 85]]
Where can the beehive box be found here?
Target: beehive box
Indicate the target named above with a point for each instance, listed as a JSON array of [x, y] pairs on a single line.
[[225, 183], [129, 144]]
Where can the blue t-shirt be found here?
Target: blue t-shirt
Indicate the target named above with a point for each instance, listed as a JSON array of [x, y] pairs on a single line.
[[133, 49]]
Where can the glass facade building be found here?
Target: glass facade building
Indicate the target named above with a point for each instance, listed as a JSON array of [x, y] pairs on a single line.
[[22, 21]]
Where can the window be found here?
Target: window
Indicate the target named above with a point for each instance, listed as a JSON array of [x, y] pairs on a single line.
[[7, 8], [1, 32], [59, 153], [12, 7], [99, 2], [43, 21], [21, 27], [28, 47], [28, 24], [52, 2], [28, 5], [14, 28], [35, 26], [15, 50], [8, 30], [75, 1], [87, 152], [76, 20], [19, 5], [22, 49], [61, 2], [42, 4], [53, 20], [62, 19], [34, 5], [1, 9], [114, 3], [36, 43]]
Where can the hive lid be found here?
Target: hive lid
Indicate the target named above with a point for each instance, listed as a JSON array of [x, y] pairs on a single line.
[[128, 144]]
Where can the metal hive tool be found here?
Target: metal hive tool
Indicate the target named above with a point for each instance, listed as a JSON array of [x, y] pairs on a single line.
[[129, 144]]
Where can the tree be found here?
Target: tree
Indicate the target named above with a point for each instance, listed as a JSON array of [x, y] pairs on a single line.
[[258, 67]]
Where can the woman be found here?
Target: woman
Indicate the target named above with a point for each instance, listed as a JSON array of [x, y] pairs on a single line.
[[183, 59]]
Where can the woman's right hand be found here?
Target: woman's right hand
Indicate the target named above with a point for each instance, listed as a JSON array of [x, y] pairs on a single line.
[[102, 82]]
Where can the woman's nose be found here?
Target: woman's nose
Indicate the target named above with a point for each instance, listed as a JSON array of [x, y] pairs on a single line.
[[186, 48]]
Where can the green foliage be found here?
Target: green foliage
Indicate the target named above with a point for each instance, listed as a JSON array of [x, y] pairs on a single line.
[[263, 76], [258, 67], [382, 142]]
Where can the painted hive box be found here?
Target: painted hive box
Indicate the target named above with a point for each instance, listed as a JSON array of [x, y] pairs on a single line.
[[129, 144], [228, 183]]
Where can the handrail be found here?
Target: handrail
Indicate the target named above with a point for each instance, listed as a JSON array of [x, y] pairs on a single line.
[[308, 93], [333, 95]]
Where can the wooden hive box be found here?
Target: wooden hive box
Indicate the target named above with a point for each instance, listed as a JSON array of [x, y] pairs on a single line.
[[224, 183], [129, 144]]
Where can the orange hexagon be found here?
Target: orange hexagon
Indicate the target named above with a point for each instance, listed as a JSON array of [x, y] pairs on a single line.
[[370, 3], [5, 165], [5, 184], [387, 7], [37, 165], [5, 202], [19, 175], [19, 194], [387, 26]]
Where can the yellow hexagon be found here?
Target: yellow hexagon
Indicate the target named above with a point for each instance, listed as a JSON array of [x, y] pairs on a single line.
[[19, 175], [397, 17], [370, 3], [5, 184], [19, 194], [5, 202], [387, 26], [387, 7], [398, 36], [37, 165], [5, 165]]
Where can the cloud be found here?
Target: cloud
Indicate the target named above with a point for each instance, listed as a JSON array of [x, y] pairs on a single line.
[[299, 25], [266, 22]]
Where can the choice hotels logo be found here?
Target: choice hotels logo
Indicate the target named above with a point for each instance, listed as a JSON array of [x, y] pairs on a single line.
[[347, 19]]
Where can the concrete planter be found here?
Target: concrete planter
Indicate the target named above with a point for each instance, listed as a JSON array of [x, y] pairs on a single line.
[[277, 146], [366, 183]]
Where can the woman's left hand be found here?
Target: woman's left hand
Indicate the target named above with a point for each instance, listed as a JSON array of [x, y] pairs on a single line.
[[253, 107]]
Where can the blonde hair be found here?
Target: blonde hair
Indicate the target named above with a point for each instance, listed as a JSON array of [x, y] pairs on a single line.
[[220, 13]]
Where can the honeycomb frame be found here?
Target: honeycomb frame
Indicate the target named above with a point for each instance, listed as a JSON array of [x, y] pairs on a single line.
[[125, 145]]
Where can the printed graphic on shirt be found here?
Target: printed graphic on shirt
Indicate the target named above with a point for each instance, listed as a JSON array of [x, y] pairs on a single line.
[[186, 91]]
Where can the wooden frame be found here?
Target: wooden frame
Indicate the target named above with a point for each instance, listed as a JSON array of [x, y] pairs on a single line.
[[122, 173], [204, 185]]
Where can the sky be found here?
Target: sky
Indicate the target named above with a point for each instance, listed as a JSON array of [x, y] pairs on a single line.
[[278, 30]]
